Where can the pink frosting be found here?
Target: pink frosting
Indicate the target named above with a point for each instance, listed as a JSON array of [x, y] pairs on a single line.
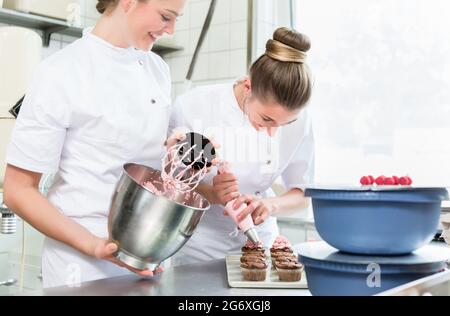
[[249, 244], [150, 186], [169, 192], [281, 242]]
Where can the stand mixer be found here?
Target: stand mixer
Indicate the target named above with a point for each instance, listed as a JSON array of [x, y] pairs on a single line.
[[154, 213]]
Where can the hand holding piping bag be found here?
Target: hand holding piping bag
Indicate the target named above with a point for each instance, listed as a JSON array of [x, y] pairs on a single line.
[[246, 225]]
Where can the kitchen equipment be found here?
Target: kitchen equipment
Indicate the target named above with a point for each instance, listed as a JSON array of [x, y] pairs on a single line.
[[331, 272], [185, 164], [51, 8], [235, 280], [8, 221], [150, 228], [9, 282], [20, 54], [247, 225], [6, 128], [377, 221]]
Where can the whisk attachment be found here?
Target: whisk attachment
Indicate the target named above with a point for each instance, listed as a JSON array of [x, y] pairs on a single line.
[[185, 164], [200, 151]]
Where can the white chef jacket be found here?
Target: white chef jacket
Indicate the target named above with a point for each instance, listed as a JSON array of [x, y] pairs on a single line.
[[255, 158], [91, 108]]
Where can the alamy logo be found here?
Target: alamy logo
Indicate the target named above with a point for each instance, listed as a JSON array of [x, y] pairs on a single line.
[[374, 278], [74, 16]]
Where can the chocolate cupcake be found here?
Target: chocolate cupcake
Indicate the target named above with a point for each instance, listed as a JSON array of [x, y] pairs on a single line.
[[250, 247], [253, 258], [289, 271], [277, 255], [283, 256], [254, 271], [284, 249]]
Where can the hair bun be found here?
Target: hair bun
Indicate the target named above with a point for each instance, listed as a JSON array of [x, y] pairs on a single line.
[[288, 46], [103, 5], [293, 39]]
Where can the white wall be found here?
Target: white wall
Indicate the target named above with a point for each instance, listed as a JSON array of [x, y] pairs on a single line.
[[223, 55]]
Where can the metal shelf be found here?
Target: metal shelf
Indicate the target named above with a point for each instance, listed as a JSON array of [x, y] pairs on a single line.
[[48, 26]]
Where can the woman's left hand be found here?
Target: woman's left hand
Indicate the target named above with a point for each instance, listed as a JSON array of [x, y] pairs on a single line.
[[259, 209]]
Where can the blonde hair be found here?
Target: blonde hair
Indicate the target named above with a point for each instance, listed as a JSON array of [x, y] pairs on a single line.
[[281, 73]]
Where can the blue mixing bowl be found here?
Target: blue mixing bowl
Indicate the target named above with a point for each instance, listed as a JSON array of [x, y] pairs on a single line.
[[381, 222], [333, 273]]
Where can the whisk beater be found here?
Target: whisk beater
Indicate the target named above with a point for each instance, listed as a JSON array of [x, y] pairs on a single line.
[[186, 163]]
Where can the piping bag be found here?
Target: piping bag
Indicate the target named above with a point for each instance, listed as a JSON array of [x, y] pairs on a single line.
[[247, 225]]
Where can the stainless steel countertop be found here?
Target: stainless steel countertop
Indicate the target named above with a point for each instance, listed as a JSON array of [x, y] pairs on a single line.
[[204, 279]]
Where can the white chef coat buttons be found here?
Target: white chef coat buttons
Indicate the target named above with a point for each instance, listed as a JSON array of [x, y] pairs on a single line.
[[141, 62], [153, 101], [268, 162]]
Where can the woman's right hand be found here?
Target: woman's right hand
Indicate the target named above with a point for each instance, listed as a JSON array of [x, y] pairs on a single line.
[[225, 187], [105, 249]]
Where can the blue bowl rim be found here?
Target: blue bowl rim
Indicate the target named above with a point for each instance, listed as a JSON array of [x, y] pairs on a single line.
[[420, 195]]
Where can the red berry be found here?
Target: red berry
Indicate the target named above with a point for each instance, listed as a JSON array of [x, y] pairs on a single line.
[[380, 180], [396, 180], [371, 180], [364, 181], [389, 181], [408, 180], [403, 181]]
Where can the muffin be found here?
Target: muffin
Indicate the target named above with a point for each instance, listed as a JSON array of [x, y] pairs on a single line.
[[254, 271], [289, 271]]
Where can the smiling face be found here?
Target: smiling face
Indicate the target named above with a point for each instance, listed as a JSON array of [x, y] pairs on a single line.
[[146, 21]]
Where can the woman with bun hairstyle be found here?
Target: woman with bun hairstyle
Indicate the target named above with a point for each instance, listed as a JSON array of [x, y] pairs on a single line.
[[100, 102], [265, 132]]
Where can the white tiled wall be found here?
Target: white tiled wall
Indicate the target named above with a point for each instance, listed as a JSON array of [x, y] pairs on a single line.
[[89, 16], [223, 54]]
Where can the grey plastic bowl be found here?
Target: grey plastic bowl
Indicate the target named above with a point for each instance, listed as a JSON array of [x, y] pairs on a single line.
[[391, 222], [333, 273]]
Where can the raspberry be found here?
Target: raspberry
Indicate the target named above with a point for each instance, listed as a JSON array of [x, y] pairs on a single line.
[[396, 180], [403, 181], [408, 180], [389, 181], [365, 180], [380, 180]]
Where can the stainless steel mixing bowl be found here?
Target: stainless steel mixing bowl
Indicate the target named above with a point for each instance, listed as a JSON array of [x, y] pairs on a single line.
[[149, 228]]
